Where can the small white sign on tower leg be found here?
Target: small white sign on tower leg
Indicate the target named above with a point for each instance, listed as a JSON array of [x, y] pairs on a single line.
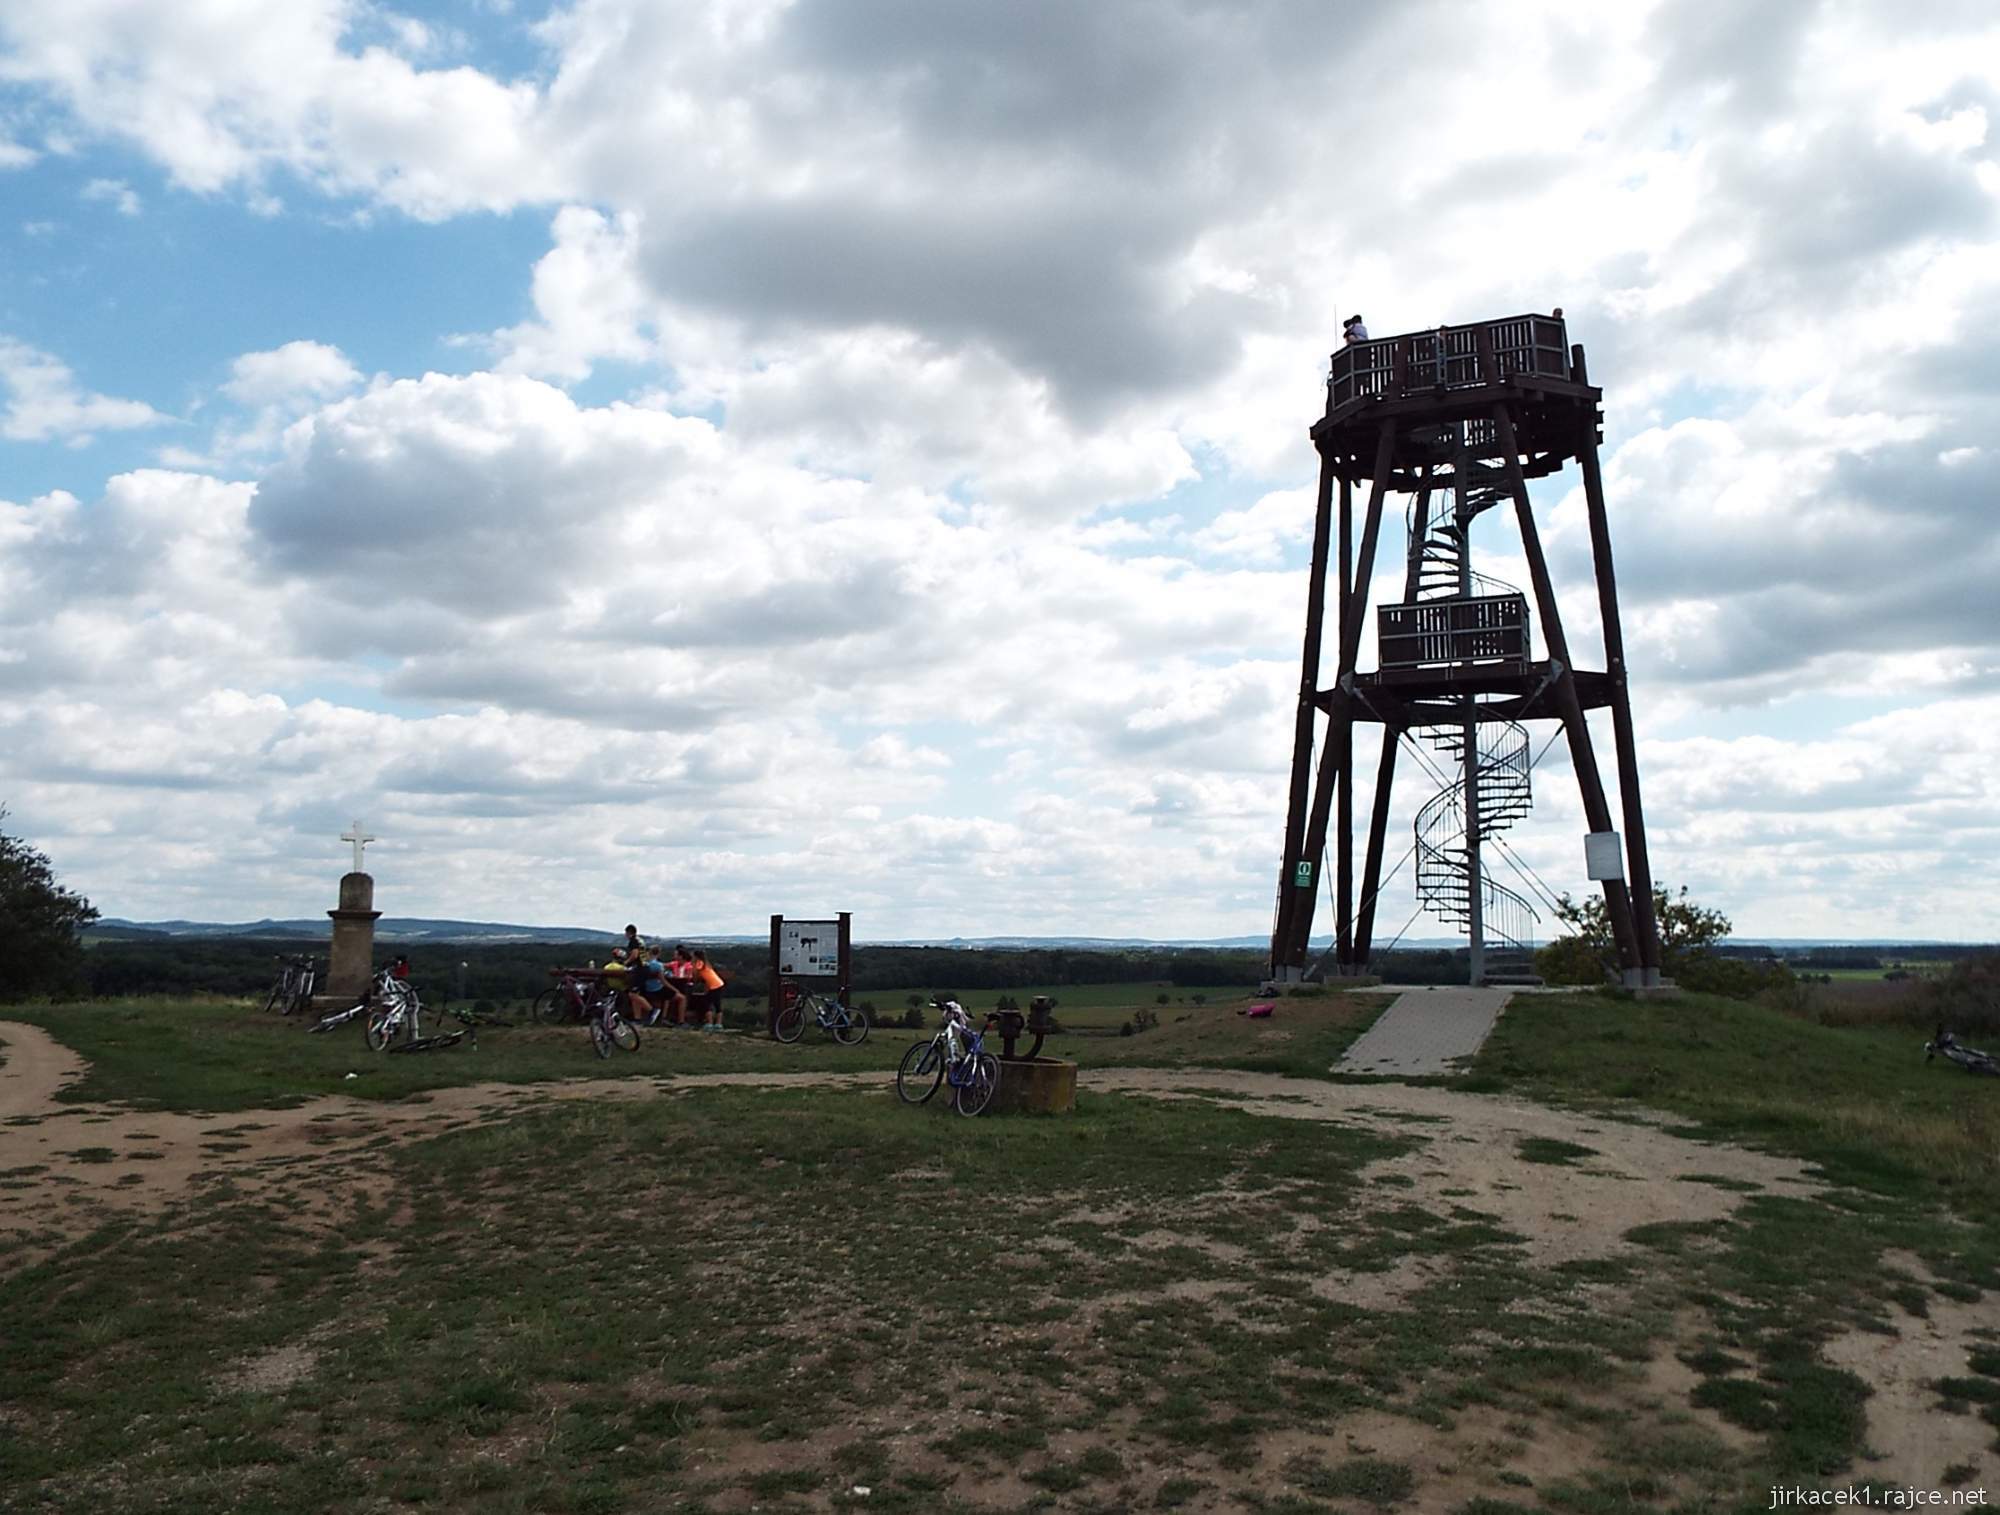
[[1602, 856]]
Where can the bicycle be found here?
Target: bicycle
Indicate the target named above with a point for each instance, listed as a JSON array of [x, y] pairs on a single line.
[[437, 1041], [393, 1005], [956, 1055], [568, 999], [608, 1026], [293, 988], [844, 1023], [385, 986], [402, 1012], [1952, 1050], [338, 1018]]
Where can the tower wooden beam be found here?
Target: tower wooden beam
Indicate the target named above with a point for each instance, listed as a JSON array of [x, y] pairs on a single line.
[[1617, 900], [1639, 868], [1313, 846]]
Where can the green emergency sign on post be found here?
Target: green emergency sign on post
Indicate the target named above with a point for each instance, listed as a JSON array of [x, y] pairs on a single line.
[[1302, 876]]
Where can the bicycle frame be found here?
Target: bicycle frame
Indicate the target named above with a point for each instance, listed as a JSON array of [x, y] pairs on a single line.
[[1952, 1050], [970, 1044]]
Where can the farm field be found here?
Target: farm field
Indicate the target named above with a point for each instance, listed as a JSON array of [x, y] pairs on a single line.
[[1648, 1256]]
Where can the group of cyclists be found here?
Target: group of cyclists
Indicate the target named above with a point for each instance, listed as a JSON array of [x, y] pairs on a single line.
[[681, 989]]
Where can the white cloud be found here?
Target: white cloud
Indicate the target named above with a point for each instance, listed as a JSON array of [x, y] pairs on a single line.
[[224, 93], [300, 370], [886, 576], [44, 402], [1261, 534], [116, 193]]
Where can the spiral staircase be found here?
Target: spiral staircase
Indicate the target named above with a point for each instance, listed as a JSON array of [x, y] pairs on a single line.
[[1501, 793]]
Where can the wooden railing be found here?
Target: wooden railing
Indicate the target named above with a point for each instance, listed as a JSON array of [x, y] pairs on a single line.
[[1451, 357], [1489, 629]]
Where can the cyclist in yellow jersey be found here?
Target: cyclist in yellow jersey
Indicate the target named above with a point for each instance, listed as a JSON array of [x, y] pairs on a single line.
[[617, 976]]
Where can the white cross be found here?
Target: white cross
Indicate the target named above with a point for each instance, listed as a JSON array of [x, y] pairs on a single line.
[[360, 839]]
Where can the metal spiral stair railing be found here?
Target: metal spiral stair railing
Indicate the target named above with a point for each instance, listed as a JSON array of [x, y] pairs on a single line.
[[1444, 867], [1444, 887]]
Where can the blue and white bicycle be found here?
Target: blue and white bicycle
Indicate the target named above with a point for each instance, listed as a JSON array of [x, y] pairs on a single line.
[[845, 1023], [957, 1056]]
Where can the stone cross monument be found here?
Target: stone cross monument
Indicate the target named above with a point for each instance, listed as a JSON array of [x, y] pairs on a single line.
[[351, 960]]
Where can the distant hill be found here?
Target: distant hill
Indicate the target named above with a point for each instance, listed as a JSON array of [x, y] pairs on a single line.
[[415, 929], [390, 928]]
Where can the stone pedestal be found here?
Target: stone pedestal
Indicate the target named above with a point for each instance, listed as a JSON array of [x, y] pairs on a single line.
[[351, 960], [1039, 1085]]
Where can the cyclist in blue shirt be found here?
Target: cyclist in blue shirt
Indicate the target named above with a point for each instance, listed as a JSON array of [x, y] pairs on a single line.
[[652, 993]]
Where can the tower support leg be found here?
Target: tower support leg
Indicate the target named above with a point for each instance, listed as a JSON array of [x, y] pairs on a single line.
[[1302, 737], [1617, 900], [1371, 867], [1342, 735], [1638, 866], [1340, 709]]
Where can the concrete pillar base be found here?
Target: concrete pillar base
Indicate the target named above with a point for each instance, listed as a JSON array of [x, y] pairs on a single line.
[[1037, 1085], [351, 959]]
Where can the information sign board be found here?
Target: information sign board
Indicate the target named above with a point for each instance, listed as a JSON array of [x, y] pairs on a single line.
[[809, 949]]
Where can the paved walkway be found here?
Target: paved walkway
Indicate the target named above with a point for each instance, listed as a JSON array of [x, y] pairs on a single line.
[[1426, 1032]]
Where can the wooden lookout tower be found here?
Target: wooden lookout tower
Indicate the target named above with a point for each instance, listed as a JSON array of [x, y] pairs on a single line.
[[1455, 421]]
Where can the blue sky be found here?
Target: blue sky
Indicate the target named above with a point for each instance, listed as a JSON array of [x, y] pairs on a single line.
[[696, 460]]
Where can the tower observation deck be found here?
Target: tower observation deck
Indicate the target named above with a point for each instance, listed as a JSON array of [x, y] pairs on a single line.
[[1455, 421]]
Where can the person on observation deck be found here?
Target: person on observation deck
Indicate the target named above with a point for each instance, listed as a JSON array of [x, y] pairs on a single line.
[[1353, 330]]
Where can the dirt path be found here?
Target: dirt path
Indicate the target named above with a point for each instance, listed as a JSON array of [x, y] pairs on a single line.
[[37, 1066], [1507, 1157], [67, 1167]]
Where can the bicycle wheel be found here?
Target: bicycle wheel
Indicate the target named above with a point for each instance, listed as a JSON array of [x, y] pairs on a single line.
[[791, 1022], [279, 995], [302, 994], [551, 1006], [919, 1073], [850, 1026], [982, 1077], [382, 1028], [623, 1033], [600, 1036]]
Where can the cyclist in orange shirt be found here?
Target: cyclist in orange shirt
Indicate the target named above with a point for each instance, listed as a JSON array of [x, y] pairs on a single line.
[[708, 984]]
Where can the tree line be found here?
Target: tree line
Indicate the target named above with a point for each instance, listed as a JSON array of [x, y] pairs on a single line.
[[508, 971]]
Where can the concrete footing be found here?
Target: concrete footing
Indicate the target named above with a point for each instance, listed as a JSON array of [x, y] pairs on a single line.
[[1036, 1085]]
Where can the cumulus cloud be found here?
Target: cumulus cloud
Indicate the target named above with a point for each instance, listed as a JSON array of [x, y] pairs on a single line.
[[45, 403], [224, 95], [300, 370], [116, 193], [892, 476]]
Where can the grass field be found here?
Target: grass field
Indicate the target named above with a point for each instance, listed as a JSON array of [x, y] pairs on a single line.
[[1860, 1101], [1402, 1298], [222, 1055]]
